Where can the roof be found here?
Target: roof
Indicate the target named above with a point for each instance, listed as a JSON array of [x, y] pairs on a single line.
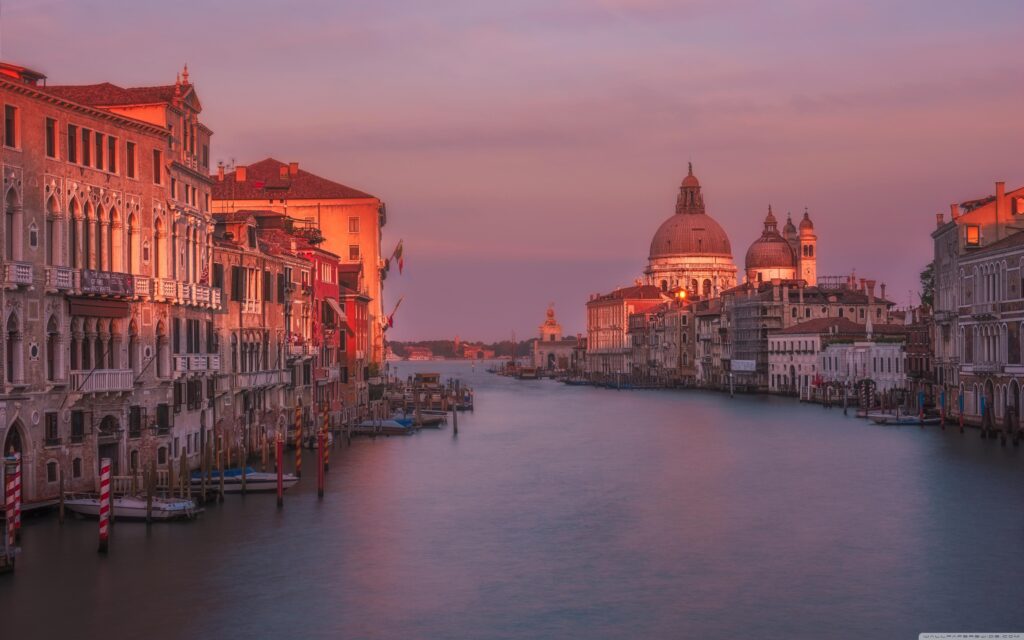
[[1016, 239], [106, 94], [263, 180], [843, 326], [636, 292]]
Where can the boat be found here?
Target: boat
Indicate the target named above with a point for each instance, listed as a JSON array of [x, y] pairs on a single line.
[[132, 507], [896, 419], [432, 419], [527, 373], [255, 481], [383, 427]]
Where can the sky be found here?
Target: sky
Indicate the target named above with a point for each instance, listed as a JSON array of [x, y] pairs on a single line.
[[527, 151]]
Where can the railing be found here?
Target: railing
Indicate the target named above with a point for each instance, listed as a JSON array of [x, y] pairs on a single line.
[[166, 289], [107, 283], [215, 295], [196, 363], [103, 380], [180, 364], [201, 294], [60, 278], [258, 378], [250, 306], [297, 350], [143, 287], [18, 273], [186, 293], [984, 308]]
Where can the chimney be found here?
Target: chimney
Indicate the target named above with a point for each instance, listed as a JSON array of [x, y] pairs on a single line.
[[871, 288], [938, 219], [220, 172], [240, 174], [1000, 198], [882, 294], [283, 173], [293, 168], [954, 211]]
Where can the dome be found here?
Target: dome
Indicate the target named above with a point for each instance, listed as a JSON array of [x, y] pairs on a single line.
[[687, 234], [790, 229], [690, 180], [770, 252], [806, 222]]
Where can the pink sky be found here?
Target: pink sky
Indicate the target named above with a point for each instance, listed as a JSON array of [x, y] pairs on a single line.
[[528, 151]]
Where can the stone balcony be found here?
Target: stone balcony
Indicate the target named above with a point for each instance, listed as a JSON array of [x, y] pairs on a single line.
[[103, 380], [60, 278], [17, 274], [250, 379], [107, 283], [196, 363]]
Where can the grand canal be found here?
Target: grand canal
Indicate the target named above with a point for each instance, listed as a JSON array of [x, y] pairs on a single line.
[[564, 512]]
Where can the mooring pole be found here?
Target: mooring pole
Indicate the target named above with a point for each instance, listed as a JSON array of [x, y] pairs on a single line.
[[279, 447], [104, 511]]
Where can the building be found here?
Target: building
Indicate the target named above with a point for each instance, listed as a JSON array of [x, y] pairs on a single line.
[[663, 342], [110, 350], [357, 340], [551, 351], [609, 351], [793, 257], [977, 288], [350, 221], [690, 250]]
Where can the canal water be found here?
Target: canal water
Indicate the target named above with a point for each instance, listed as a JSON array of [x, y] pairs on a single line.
[[572, 512]]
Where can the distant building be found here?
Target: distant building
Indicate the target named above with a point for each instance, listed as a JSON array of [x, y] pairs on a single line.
[[550, 350], [609, 352]]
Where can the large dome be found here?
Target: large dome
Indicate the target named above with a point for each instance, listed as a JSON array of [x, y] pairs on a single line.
[[770, 252], [690, 234]]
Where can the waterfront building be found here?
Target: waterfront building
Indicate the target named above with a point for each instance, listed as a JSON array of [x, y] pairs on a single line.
[[356, 342], [712, 349], [690, 250], [662, 338], [875, 362], [919, 348], [109, 350], [758, 309], [609, 352], [977, 281], [550, 350], [349, 219]]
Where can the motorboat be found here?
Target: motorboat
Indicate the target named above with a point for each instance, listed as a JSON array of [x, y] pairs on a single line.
[[255, 481], [132, 507], [384, 428]]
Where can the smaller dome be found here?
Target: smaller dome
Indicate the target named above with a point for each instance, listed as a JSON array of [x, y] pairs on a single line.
[[769, 252], [690, 180], [806, 222], [790, 228]]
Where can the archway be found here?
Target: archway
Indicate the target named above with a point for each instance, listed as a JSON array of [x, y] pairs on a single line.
[[792, 379], [551, 361], [107, 442], [13, 442], [1013, 406]]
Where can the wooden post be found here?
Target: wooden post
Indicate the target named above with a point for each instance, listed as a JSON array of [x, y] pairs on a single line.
[[185, 479], [60, 487], [170, 475], [245, 464], [279, 447], [151, 489], [220, 472], [455, 412], [298, 441], [204, 470], [263, 448], [326, 448], [321, 441], [105, 506]]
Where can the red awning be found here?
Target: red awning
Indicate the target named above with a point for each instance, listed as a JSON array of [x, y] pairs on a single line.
[[99, 308]]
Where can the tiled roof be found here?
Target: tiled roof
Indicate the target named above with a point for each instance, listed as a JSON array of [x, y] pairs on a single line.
[[1016, 239], [106, 94], [637, 292], [843, 326], [263, 181]]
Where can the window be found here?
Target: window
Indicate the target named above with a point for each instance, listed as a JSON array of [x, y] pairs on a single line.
[[251, 231], [111, 154], [86, 142], [77, 426], [161, 455], [972, 236], [353, 252], [51, 138], [11, 117], [72, 143], [134, 421], [51, 471], [129, 159], [76, 468], [52, 434], [206, 156], [158, 168], [99, 150], [353, 225]]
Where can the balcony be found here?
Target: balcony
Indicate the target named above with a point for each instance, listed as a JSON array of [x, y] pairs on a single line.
[[984, 368], [251, 379], [299, 350], [17, 273], [60, 278], [196, 363], [166, 289], [103, 380], [107, 283], [215, 298], [186, 293], [143, 287]]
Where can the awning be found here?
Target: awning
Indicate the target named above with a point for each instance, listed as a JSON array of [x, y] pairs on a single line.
[[337, 309], [99, 308]]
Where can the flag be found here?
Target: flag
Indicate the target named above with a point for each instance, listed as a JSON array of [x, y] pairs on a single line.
[[398, 254], [391, 316]]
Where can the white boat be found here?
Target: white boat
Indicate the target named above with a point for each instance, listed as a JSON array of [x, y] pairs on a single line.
[[255, 481], [132, 507]]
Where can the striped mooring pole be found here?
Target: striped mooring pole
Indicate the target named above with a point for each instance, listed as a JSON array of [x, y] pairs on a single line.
[[8, 472], [298, 441], [18, 463], [104, 505], [279, 450], [327, 449]]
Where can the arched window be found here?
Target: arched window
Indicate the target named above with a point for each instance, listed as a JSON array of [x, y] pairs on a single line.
[[75, 255], [133, 347], [163, 356], [131, 240], [53, 351], [12, 240], [707, 287], [88, 236], [13, 351], [53, 253], [234, 352], [114, 245], [158, 252]]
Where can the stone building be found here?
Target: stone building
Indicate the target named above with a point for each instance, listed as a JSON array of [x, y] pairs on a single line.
[[349, 220], [793, 257], [609, 352], [690, 250], [110, 349], [551, 351], [978, 292]]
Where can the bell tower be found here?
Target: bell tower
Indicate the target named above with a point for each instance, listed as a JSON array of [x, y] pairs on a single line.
[[808, 258]]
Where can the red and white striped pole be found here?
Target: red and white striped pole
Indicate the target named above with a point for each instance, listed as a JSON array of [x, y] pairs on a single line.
[[8, 473], [104, 504], [280, 469], [17, 496]]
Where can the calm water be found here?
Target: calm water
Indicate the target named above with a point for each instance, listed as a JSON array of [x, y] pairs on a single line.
[[570, 512]]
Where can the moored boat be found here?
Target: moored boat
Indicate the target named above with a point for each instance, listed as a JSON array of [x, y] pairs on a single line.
[[255, 481], [132, 507]]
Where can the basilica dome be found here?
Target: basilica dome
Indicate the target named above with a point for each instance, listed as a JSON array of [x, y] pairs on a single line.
[[691, 231]]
